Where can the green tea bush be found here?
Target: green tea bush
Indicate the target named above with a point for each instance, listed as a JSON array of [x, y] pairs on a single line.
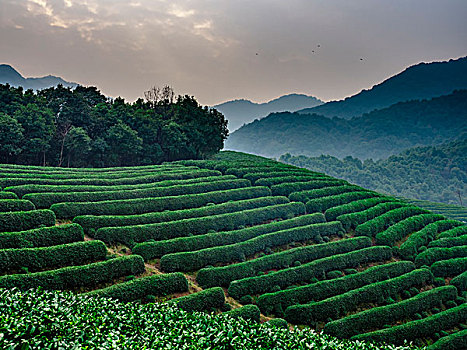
[[339, 305], [286, 189], [222, 276], [21, 190], [192, 261], [139, 288], [378, 224], [152, 250], [430, 256], [451, 267], [305, 196], [26, 220], [306, 272], [77, 276], [8, 195], [403, 228], [42, 237], [247, 312], [454, 341], [377, 317], [92, 223], [130, 235], [35, 259], [449, 242], [354, 206], [205, 300], [147, 205], [45, 200], [419, 328], [8, 205], [326, 289]]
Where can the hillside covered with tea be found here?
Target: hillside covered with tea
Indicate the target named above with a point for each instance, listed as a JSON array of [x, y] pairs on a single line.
[[237, 234]]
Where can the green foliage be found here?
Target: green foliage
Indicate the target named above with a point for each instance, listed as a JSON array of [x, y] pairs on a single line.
[[378, 224], [454, 232], [42, 237], [460, 281], [91, 223], [326, 289], [61, 323], [156, 285], [21, 190], [36, 259], [354, 206], [337, 306], [26, 220], [201, 301], [151, 250], [450, 267], [403, 228], [8, 195], [77, 276], [436, 173], [45, 200], [278, 323], [430, 256], [323, 203], [8, 205], [224, 275], [177, 174], [424, 236], [419, 328], [352, 219], [454, 341], [285, 189], [377, 317], [194, 260], [156, 204], [305, 272], [130, 235], [305, 196], [81, 127], [449, 242], [247, 312]]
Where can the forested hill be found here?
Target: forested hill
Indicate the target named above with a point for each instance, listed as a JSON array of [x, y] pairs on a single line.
[[83, 128], [421, 81], [239, 112], [437, 174], [376, 135]]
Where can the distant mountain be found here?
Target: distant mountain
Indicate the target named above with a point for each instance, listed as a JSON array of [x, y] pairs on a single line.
[[239, 112], [374, 135], [421, 81], [435, 173], [9, 75]]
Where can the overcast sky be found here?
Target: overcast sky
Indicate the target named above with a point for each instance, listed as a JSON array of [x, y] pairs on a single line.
[[219, 50]]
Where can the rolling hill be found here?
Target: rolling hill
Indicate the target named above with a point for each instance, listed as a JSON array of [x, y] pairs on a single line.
[[239, 112], [238, 234], [9, 75], [421, 81], [435, 173], [376, 135]]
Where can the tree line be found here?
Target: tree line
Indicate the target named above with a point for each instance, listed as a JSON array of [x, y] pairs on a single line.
[[81, 127], [437, 173]]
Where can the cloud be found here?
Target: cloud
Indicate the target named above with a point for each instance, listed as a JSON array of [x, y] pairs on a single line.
[[207, 48]]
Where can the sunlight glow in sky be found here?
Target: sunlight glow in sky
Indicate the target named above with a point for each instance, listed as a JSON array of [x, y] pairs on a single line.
[[219, 50]]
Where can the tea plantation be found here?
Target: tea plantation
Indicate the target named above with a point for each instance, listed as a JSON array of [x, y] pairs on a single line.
[[257, 240]]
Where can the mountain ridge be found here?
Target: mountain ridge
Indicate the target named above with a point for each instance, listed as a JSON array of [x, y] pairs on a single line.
[[241, 111], [9, 75], [419, 81]]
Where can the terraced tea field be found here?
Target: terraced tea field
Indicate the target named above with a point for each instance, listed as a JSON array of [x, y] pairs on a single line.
[[240, 232], [451, 211]]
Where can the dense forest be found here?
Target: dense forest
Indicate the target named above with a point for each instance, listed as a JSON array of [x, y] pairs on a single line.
[[376, 135], [437, 173], [81, 127]]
